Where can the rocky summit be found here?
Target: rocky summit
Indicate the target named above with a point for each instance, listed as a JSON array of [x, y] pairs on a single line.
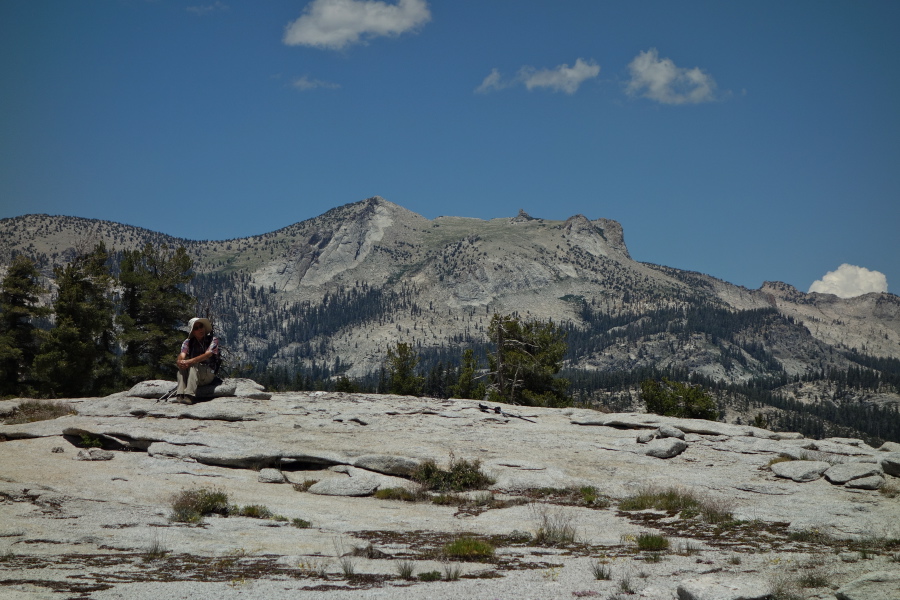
[[320, 495]]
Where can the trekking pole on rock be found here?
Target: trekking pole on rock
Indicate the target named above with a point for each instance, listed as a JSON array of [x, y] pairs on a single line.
[[167, 395]]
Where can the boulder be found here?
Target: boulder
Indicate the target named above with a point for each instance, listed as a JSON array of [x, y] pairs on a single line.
[[889, 447], [345, 486], [270, 476], [720, 587], [841, 474], [219, 388], [890, 462], [387, 464], [155, 388], [805, 454], [646, 436], [94, 454], [669, 431], [878, 585], [800, 470], [872, 482], [666, 447]]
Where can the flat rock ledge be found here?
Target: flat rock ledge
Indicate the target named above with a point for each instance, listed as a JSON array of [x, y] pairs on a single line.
[[800, 470], [337, 449], [712, 587], [878, 585]]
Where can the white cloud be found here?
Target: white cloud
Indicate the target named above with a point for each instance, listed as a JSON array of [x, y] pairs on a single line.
[[334, 24], [848, 281], [561, 79], [660, 80], [208, 8], [305, 83], [491, 83]]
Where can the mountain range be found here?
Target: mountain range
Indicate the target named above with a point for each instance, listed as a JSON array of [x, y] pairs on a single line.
[[334, 292]]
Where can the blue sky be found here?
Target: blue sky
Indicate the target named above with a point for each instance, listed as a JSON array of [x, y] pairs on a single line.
[[751, 141]]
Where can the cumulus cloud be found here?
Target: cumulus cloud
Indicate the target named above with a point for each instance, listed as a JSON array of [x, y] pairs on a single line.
[[659, 79], [848, 281], [561, 79], [305, 83], [335, 24]]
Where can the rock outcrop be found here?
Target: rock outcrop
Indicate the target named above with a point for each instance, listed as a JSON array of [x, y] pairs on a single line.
[[313, 461]]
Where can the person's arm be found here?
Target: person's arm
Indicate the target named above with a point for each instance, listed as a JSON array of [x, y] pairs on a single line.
[[185, 363]]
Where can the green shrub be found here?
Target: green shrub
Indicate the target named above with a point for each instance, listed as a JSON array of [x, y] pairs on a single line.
[[90, 442], [676, 399], [307, 483], [254, 511], [461, 475], [652, 542], [39, 410], [430, 576], [190, 506], [300, 523], [469, 548], [676, 500], [398, 493]]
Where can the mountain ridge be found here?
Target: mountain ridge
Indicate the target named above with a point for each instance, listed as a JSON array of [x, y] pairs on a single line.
[[340, 288]]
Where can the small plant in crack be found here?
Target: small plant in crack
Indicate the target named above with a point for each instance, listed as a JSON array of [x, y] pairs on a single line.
[[452, 571], [406, 570], [307, 483], [345, 559], [555, 527], [652, 542], [625, 585], [469, 548], [156, 549], [460, 476], [190, 506], [601, 571], [687, 548], [88, 441], [253, 511]]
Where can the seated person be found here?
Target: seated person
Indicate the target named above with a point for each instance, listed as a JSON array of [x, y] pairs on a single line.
[[196, 363]]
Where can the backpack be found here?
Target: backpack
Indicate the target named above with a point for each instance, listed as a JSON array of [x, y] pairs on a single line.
[[215, 361]]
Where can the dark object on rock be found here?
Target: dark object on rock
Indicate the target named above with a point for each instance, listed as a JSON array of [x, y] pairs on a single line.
[[499, 411]]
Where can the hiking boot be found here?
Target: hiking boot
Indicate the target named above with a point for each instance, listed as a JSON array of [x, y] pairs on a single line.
[[187, 399]]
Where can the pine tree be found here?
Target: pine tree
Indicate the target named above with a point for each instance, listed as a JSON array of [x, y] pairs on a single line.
[[19, 294], [78, 355], [466, 384], [153, 308], [401, 376], [676, 399], [526, 358]]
